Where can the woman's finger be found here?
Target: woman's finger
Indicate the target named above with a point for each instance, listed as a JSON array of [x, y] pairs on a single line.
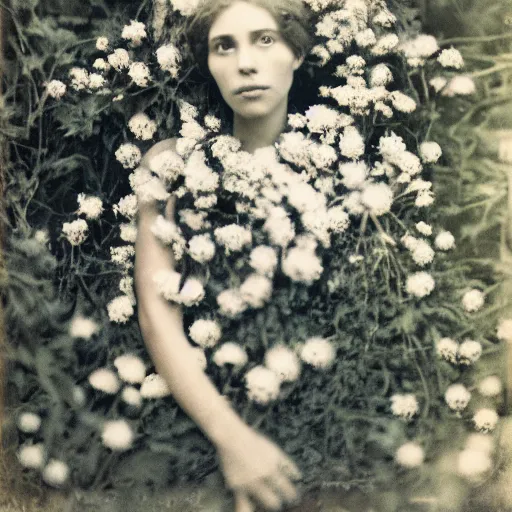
[[281, 483], [243, 503], [290, 469], [264, 494]]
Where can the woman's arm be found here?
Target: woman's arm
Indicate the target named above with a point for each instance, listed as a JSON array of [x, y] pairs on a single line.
[[253, 466], [162, 329]]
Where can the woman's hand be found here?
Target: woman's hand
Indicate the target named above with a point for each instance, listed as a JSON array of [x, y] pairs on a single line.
[[256, 469]]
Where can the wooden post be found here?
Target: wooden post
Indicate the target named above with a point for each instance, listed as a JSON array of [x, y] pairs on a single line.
[[505, 156]]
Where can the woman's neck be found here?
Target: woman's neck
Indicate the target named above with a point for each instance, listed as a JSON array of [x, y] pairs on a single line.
[[261, 132]]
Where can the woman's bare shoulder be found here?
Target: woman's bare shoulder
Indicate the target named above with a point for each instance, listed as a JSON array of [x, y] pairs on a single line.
[[156, 149]]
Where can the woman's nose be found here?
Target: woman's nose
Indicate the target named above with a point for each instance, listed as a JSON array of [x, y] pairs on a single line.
[[246, 61]]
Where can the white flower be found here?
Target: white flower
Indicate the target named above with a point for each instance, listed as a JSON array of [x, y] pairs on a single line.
[[169, 58], [120, 309], [263, 259], [321, 118], [139, 73], [504, 329], [102, 44], [79, 397], [402, 102], [205, 202], [117, 435], [142, 126], [76, 231], [41, 236], [302, 265], [430, 152], [154, 386], [194, 220], [354, 174], [279, 227], [351, 143], [198, 176], [451, 58], [485, 420], [231, 303], [56, 89], [192, 292], [420, 284], [129, 155], [318, 352], [81, 327], [380, 75], [490, 386], [90, 206], [168, 284], [29, 422], [230, 353], [404, 406], [391, 145], [421, 46], [473, 463], [212, 123], [386, 44], [384, 18], [256, 290], [101, 65], [473, 300], [263, 385], [352, 203], [55, 473], [283, 362], [120, 59], [469, 352], [131, 396], [338, 219], [31, 455], [96, 81], [410, 455], [424, 198], [422, 253], [225, 145], [185, 7], [448, 349], [480, 442], [131, 368], [233, 237], [127, 206], [135, 32], [201, 248], [459, 86], [445, 241], [425, 229], [297, 121], [206, 333], [122, 255], [104, 380], [126, 286], [457, 397], [128, 232], [79, 78], [377, 197], [365, 38], [438, 82]]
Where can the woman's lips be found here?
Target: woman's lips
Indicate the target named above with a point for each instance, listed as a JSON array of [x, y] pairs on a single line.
[[251, 88]]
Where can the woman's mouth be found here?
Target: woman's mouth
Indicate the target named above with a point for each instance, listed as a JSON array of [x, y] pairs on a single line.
[[251, 92]]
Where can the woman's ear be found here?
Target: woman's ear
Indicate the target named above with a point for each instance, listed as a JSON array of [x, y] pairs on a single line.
[[298, 62]]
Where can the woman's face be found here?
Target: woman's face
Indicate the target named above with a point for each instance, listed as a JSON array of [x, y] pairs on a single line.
[[250, 61]]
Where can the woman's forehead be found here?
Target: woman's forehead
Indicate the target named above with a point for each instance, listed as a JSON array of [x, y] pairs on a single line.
[[242, 18]]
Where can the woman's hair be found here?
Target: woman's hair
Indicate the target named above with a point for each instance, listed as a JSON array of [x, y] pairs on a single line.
[[292, 17]]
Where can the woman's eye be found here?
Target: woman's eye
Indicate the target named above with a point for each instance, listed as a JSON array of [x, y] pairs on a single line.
[[266, 40], [222, 47]]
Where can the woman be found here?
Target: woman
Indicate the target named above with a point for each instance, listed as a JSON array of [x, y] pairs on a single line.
[[251, 49]]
